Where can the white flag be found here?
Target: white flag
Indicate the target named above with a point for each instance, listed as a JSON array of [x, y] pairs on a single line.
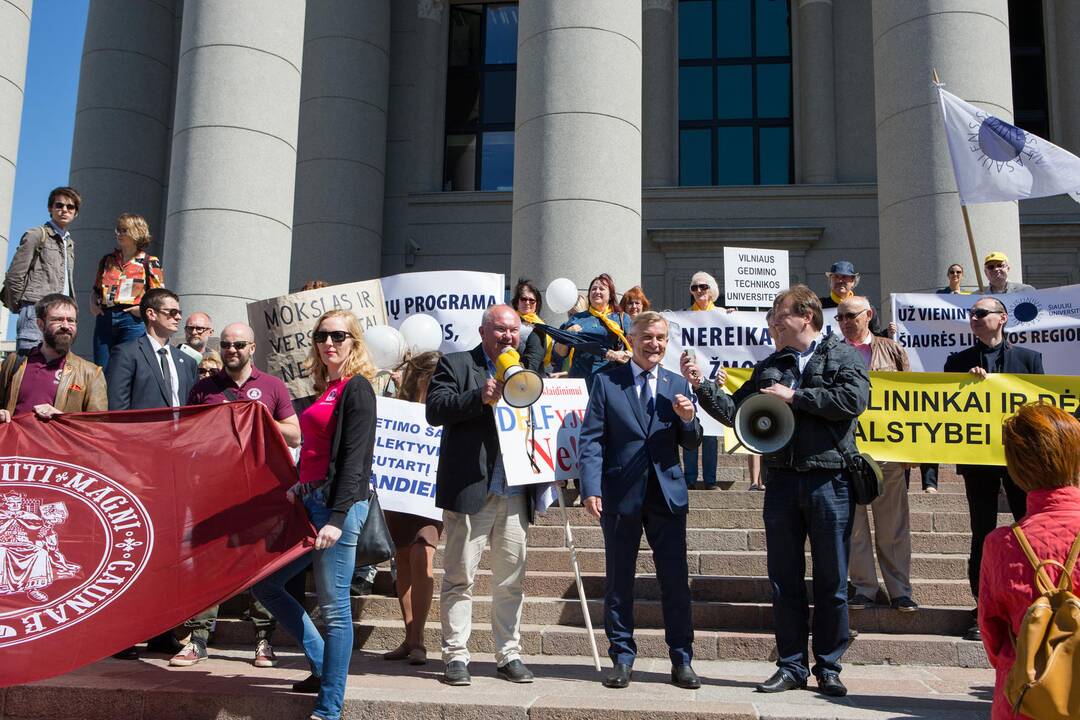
[[995, 161]]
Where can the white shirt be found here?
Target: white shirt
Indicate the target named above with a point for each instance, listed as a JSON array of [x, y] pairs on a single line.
[[651, 378], [172, 368]]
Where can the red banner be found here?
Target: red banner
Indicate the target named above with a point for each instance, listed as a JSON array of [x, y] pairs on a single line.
[[115, 527]]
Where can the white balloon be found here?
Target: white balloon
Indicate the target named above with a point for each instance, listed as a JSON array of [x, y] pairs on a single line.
[[386, 345], [423, 333], [561, 295]]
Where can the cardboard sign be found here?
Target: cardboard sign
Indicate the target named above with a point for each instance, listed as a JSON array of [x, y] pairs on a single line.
[[556, 420]]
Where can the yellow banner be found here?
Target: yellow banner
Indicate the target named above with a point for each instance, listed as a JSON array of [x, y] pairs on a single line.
[[943, 417]]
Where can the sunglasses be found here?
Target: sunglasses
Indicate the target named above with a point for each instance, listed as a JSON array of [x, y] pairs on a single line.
[[983, 312], [956, 272], [850, 315], [699, 288], [337, 336], [526, 300], [173, 313], [238, 345], [206, 371], [195, 329], [64, 206]]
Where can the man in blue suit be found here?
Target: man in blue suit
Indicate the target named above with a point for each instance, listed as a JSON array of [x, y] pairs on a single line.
[[639, 415], [148, 372]]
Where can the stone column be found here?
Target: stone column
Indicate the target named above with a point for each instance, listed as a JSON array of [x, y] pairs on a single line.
[[229, 232], [14, 44], [817, 113], [1067, 19], [420, 34], [119, 155], [660, 94], [920, 226], [341, 156], [577, 151]]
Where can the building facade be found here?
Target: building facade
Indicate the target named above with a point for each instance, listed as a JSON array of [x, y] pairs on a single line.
[[274, 142]]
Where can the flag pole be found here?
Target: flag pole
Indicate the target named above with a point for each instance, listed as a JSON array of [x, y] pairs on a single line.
[[967, 220]]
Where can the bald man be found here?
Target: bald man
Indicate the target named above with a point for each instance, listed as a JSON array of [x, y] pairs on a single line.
[[197, 330], [240, 381]]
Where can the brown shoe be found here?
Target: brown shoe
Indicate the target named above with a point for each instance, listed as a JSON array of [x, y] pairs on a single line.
[[399, 653], [418, 656], [264, 655]]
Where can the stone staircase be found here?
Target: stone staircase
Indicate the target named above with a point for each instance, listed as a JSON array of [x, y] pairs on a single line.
[[731, 593]]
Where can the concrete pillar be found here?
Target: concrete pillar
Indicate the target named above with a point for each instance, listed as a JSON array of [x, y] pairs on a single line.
[[817, 111], [577, 150], [660, 94], [920, 226], [119, 154], [1067, 22], [341, 156], [420, 32], [14, 44], [229, 233]]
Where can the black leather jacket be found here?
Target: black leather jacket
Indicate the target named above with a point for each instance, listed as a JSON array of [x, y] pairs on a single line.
[[833, 392]]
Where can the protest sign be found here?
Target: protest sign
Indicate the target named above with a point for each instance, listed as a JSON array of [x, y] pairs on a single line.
[[456, 298], [945, 417], [753, 276], [556, 420], [931, 327], [283, 327], [406, 458]]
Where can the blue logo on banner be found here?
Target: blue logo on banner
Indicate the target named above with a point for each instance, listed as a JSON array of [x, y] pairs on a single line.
[[1001, 141]]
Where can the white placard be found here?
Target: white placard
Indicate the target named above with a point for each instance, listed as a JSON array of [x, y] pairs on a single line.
[[556, 419], [456, 298], [406, 458], [753, 276], [931, 327]]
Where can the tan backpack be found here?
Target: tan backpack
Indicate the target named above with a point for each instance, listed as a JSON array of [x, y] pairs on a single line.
[[1044, 681]]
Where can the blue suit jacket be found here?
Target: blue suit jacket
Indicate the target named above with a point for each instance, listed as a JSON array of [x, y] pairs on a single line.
[[617, 447], [134, 377]]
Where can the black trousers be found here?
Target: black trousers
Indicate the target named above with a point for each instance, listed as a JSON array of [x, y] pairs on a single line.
[[982, 485]]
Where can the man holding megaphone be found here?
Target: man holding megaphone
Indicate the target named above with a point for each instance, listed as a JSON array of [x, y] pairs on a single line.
[[824, 383]]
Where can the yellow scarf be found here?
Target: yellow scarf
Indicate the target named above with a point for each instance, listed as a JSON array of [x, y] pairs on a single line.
[[836, 298], [613, 327], [534, 320], [695, 308]]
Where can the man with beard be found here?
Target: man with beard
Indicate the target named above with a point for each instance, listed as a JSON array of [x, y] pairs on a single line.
[[51, 379], [197, 330]]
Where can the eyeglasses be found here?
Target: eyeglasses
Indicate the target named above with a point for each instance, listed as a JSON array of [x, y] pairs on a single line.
[[524, 299], [337, 336], [850, 315], [120, 231], [170, 313], [238, 345], [206, 371], [195, 329], [699, 288], [63, 206], [994, 266], [980, 313]]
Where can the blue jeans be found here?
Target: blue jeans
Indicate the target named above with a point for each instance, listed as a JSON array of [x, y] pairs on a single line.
[[817, 504], [709, 445], [329, 660], [27, 333], [111, 328]]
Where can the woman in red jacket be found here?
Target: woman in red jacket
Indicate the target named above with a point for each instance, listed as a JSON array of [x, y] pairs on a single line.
[[1042, 451]]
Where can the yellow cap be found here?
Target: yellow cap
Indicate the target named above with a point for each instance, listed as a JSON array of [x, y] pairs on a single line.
[[996, 256]]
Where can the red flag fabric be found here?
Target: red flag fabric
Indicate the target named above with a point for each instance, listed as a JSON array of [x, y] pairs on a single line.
[[115, 527]]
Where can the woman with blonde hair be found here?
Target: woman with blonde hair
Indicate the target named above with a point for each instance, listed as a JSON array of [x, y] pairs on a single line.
[[1042, 453], [335, 472], [210, 364], [123, 275]]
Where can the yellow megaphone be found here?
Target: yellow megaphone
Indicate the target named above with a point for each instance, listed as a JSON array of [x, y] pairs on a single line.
[[521, 387]]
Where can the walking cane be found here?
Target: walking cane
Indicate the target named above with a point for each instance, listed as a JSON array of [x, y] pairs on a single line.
[[577, 577]]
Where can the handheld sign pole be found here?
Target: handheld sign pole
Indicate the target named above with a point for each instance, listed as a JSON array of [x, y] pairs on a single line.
[[577, 577]]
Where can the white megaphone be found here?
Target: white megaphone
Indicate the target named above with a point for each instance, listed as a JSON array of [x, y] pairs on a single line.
[[764, 424], [521, 387]]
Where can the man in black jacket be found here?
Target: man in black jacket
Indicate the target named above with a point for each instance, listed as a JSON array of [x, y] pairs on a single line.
[[825, 382], [992, 353], [477, 502]]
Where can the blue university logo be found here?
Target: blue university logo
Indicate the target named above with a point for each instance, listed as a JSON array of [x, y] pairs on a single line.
[[1001, 141]]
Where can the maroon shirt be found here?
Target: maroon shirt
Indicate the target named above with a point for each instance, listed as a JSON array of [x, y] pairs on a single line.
[[39, 382], [261, 387]]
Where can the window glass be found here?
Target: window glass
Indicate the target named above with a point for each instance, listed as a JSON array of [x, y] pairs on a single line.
[[500, 43], [465, 35], [772, 31], [695, 157], [695, 29], [500, 88], [695, 93], [733, 29], [459, 171], [497, 165], [735, 155], [775, 155], [774, 90], [734, 92]]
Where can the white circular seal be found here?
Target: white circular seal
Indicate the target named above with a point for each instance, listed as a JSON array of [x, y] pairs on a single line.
[[72, 541], [254, 393]]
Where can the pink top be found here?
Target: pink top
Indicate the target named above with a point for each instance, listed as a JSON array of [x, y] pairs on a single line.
[[317, 425]]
